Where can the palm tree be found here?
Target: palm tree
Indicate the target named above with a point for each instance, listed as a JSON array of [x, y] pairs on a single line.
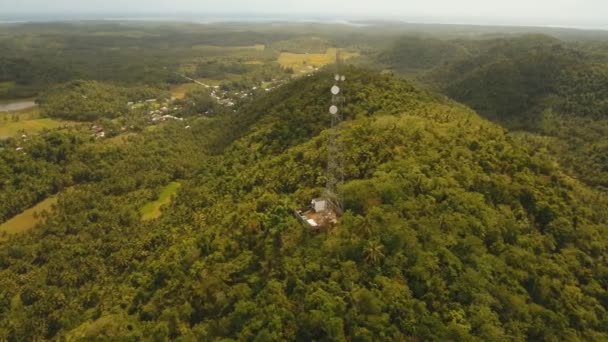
[[373, 252], [365, 226]]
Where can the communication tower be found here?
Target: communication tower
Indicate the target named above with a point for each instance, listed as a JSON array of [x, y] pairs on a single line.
[[335, 164], [324, 212]]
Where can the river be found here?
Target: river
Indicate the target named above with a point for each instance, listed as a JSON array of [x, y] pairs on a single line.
[[16, 105]]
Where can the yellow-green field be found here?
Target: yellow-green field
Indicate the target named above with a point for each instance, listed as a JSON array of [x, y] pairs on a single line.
[[27, 219], [254, 62], [179, 91], [151, 210], [121, 139], [257, 47], [10, 129], [29, 122], [299, 61]]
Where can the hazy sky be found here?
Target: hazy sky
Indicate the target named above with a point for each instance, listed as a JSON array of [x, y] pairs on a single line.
[[542, 12]]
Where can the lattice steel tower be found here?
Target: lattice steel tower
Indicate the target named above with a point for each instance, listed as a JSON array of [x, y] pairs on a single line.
[[335, 156]]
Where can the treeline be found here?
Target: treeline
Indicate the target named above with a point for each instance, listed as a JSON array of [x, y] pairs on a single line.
[[422, 53], [515, 80]]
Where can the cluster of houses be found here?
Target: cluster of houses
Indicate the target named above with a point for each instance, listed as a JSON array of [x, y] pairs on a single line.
[[157, 114], [229, 99], [97, 132], [221, 97], [162, 114]]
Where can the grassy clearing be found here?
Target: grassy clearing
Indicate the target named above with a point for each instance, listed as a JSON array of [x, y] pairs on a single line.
[[10, 129], [27, 219], [212, 82], [27, 121], [300, 61], [256, 47], [26, 114], [179, 91], [152, 210], [122, 139]]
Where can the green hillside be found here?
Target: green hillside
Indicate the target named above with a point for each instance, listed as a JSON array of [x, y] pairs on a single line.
[[453, 230], [538, 84], [413, 53], [516, 79]]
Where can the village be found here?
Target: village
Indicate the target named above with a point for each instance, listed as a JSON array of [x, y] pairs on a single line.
[[158, 111]]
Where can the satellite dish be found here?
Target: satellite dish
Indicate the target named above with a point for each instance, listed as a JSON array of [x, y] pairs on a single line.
[[333, 110], [343, 78], [335, 90], [337, 77]]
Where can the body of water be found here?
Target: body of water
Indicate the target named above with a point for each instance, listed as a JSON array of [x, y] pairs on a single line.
[[17, 105]]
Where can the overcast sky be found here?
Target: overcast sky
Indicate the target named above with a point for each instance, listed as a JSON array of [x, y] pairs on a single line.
[[540, 12]]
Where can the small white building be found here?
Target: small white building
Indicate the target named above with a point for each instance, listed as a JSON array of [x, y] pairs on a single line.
[[319, 205]]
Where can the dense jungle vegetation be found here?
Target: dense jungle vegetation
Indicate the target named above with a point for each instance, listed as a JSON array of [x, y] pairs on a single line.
[[555, 89], [456, 227]]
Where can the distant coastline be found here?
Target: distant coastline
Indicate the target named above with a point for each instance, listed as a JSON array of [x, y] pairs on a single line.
[[362, 21]]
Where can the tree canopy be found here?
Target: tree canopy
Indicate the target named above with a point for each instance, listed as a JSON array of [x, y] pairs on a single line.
[[453, 230]]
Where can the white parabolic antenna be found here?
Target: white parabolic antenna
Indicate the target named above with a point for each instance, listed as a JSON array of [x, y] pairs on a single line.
[[333, 110], [342, 78], [337, 77], [335, 90]]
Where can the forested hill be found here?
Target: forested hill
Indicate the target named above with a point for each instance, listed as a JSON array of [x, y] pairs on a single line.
[[517, 79], [539, 84], [453, 231], [413, 53]]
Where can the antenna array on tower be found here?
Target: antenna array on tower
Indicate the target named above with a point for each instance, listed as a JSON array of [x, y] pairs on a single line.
[[335, 165]]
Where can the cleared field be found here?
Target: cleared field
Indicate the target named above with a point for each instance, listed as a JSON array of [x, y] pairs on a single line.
[[151, 210], [27, 219], [27, 121], [257, 47], [299, 61], [9, 129], [179, 91], [121, 139], [24, 114]]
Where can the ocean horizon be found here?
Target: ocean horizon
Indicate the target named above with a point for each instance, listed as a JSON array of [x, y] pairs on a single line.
[[212, 18]]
